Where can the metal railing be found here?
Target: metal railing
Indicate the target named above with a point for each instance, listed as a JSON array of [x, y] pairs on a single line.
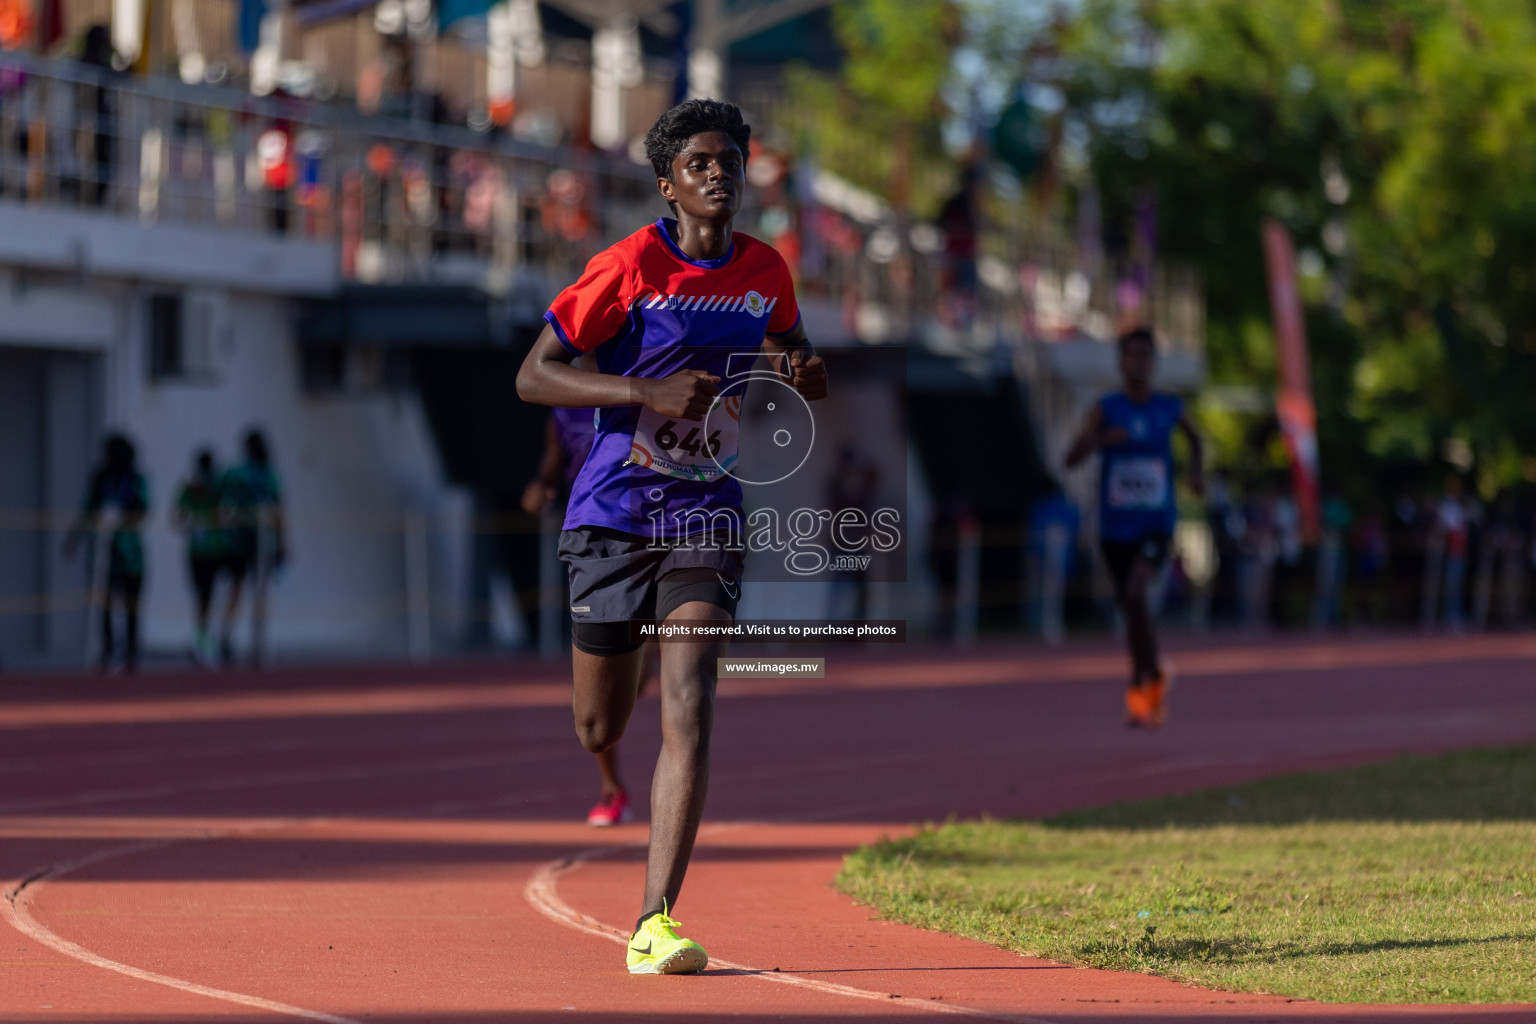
[[404, 200], [1020, 289], [395, 195]]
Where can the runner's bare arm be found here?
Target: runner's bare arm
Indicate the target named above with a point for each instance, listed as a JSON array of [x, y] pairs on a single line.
[[1196, 455], [548, 378], [544, 488], [1087, 441], [807, 371]]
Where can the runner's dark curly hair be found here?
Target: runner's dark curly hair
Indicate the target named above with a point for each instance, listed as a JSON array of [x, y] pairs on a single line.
[[673, 129], [1138, 334]]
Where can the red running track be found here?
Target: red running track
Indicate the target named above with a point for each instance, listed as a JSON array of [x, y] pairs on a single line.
[[393, 845]]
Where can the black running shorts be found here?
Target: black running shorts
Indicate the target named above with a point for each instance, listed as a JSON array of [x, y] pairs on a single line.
[[1120, 555], [616, 579]]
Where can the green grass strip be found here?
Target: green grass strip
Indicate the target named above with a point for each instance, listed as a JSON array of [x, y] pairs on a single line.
[[1410, 881]]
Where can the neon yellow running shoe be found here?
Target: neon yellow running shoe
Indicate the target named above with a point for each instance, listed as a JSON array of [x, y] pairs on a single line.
[[656, 948]]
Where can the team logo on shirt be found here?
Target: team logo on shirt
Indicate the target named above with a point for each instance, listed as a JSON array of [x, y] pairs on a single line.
[[756, 305]]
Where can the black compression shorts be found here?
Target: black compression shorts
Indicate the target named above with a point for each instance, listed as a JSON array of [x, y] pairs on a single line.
[[617, 579], [1120, 555]]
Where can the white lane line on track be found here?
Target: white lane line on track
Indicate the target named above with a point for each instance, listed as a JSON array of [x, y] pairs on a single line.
[[543, 894], [15, 909]]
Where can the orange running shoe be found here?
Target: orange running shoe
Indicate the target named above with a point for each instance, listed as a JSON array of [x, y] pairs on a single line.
[[1138, 706], [1157, 691]]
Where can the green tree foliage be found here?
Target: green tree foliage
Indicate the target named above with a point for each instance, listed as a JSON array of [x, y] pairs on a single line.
[[877, 121], [1395, 139]]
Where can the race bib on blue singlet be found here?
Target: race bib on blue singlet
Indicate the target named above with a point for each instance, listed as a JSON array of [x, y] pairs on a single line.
[[1137, 483], [701, 450]]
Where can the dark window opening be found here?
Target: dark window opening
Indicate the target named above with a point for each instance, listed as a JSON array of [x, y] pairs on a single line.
[[167, 354]]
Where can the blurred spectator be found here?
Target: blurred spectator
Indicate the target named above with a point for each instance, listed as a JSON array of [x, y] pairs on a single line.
[[1054, 526], [957, 219], [1288, 598], [1407, 538], [275, 154], [1260, 549], [1500, 565], [1338, 517], [96, 104], [252, 504], [853, 485], [197, 513], [1452, 536], [1371, 559], [951, 518], [116, 501], [1225, 519]]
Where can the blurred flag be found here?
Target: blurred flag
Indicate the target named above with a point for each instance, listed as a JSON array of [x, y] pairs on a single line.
[[1018, 140], [1293, 403], [130, 20], [15, 23], [50, 24], [317, 12], [450, 11], [248, 24]]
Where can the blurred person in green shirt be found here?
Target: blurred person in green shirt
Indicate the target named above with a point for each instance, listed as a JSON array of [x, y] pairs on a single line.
[[199, 515], [116, 501], [251, 500]]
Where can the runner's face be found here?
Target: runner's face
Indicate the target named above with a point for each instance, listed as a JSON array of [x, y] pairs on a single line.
[[707, 178], [1136, 359]]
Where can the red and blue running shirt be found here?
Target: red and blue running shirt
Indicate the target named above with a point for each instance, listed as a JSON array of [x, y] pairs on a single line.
[[644, 308]]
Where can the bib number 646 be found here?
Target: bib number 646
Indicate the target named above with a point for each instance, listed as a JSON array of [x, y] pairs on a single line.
[[693, 443]]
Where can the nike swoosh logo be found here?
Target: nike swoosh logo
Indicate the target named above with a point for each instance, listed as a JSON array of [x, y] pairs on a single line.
[[729, 585], [643, 952]]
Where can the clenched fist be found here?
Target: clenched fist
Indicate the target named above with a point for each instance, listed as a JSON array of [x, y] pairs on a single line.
[[807, 374], [686, 395]]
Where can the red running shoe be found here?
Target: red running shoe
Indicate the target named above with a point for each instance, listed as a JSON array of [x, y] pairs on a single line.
[[612, 809]]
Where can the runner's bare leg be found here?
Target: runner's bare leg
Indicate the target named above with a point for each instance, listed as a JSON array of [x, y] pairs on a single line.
[[604, 696], [1139, 630], [231, 610], [682, 770], [608, 768]]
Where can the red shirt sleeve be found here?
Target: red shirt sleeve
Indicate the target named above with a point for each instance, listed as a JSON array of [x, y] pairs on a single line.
[[595, 308], [786, 311]]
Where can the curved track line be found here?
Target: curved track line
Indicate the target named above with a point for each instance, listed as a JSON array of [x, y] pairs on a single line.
[[15, 910], [542, 893]]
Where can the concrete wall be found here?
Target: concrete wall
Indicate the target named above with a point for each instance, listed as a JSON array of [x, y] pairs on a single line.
[[351, 466], [49, 409], [73, 348]]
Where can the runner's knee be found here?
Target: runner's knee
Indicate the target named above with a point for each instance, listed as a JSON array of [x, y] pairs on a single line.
[[687, 711], [598, 732]]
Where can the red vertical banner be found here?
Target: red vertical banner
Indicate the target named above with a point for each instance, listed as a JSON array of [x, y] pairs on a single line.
[[1293, 401], [50, 24]]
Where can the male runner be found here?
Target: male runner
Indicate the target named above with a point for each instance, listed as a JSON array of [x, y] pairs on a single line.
[[568, 436], [1134, 431], [662, 312]]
